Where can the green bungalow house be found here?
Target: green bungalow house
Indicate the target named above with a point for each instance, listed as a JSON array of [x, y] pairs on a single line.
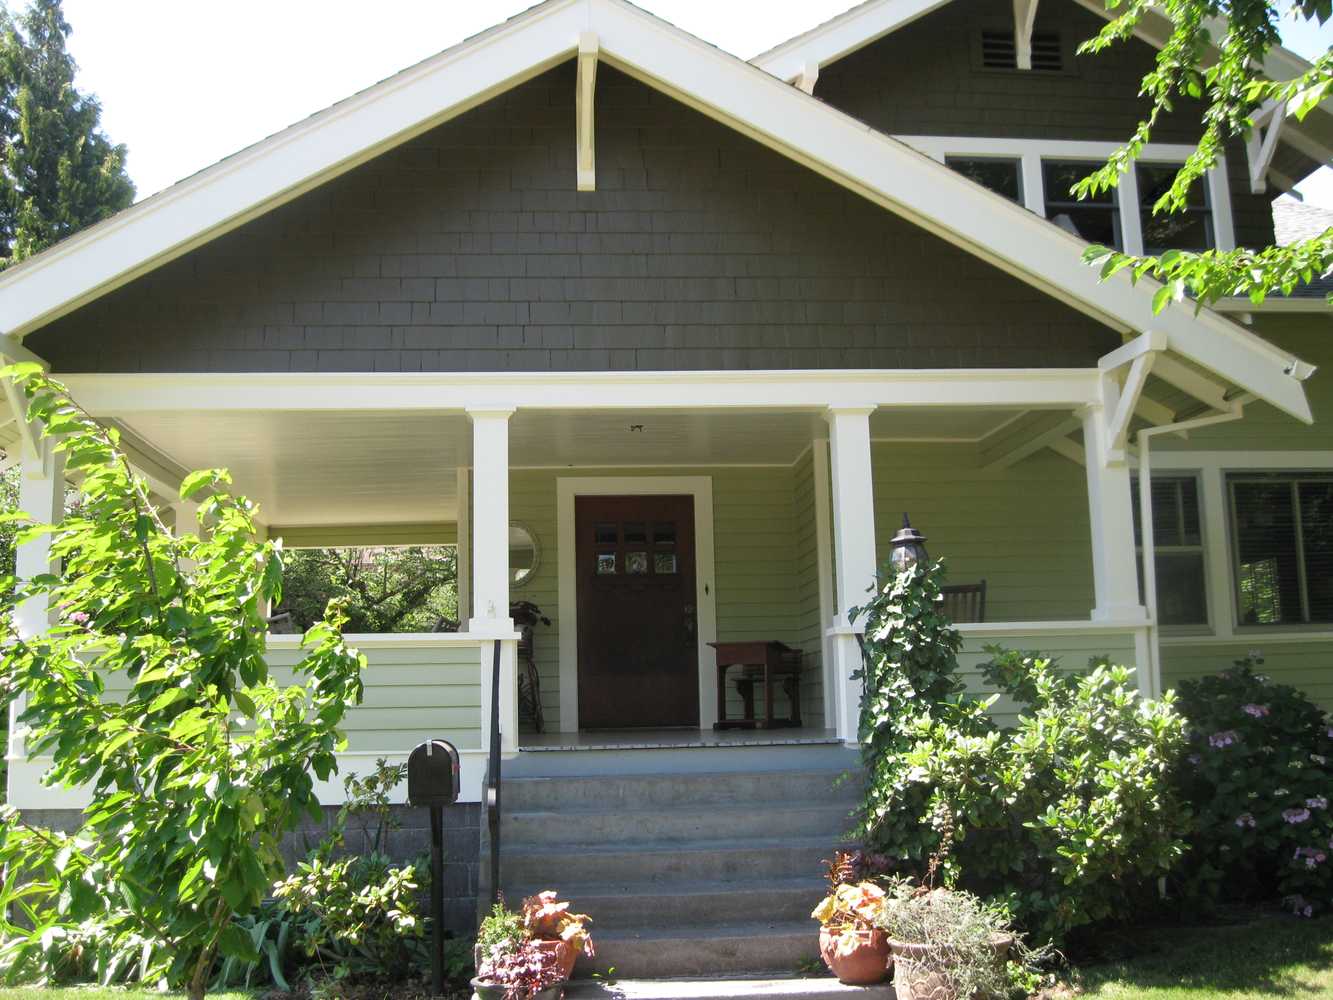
[[698, 332]]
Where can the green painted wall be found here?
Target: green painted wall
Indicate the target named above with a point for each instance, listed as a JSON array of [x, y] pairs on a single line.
[[1264, 428], [1024, 530], [1306, 665], [412, 692]]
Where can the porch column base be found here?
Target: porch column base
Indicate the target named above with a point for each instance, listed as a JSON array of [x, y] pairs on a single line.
[[846, 656]]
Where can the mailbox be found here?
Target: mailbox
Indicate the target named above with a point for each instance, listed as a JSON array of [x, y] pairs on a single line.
[[432, 774]]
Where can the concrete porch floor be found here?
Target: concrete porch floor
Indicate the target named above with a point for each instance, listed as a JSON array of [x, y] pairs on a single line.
[[672, 739]]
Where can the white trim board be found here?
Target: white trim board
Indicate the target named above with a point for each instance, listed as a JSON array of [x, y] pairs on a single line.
[[568, 488], [814, 390], [685, 68]]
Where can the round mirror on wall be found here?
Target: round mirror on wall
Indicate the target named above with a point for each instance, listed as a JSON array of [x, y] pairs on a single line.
[[523, 554]]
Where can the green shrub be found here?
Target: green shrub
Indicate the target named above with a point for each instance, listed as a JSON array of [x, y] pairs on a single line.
[[198, 771], [1258, 772], [1065, 816]]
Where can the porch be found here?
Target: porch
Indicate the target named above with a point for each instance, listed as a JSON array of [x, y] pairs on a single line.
[[796, 483]]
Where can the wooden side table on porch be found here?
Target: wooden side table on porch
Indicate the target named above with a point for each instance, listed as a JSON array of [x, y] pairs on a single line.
[[769, 661]]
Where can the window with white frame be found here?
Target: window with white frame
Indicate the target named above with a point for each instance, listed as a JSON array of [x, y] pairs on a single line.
[[1177, 548], [1038, 174], [1282, 547]]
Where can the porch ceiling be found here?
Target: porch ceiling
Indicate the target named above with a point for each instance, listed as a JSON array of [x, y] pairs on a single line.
[[334, 467]]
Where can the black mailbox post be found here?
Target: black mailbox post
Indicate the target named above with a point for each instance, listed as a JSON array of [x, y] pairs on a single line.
[[432, 783]]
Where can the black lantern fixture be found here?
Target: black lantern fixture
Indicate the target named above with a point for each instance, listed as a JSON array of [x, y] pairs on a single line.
[[909, 548]]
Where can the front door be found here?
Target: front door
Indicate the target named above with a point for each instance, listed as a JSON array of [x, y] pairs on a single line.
[[638, 643]]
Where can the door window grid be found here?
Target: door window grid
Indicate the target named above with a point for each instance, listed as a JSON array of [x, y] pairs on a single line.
[[612, 541]]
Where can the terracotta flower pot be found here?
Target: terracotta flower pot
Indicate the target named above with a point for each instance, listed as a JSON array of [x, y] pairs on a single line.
[[918, 975], [565, 954], [857, 958]]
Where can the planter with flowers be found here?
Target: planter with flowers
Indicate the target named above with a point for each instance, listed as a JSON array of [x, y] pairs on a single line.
[[852, 941], [528, 955]]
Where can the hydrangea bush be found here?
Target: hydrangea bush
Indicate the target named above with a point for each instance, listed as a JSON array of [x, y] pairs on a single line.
[[1258, 772], [1066, 816]]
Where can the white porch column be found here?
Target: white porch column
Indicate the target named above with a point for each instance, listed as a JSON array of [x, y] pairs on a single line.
[[464, 549], [489, 556], [854, 554], [42, 498], [1114, 563]]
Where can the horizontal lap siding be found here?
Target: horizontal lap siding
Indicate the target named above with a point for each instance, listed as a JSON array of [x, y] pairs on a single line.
[[469, 249], [411, 693], [924, 80], [755, 586], [1023, 529], [1306, 665], [1073, 651]]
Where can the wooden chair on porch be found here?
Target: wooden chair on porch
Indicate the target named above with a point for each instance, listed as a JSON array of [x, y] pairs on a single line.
[[965, 602]]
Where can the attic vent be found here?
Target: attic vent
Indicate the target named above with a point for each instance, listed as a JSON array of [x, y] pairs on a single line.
[[998, 51]]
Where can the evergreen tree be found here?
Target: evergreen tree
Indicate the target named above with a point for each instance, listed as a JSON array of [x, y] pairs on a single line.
[[58, 171]]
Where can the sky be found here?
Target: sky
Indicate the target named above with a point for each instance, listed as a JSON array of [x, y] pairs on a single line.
[[184, 83]]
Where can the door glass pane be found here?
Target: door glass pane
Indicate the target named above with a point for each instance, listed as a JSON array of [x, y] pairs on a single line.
[[1317, 535], [636, 533], [664, 563], [664, 533], [606, 563], [1267, 575], [636, 563], [604, 534]]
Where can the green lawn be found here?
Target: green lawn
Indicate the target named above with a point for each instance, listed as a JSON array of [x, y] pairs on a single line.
[[1274, 958]]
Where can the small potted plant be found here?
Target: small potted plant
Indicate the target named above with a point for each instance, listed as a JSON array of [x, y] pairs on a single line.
[[852, 941], [947, 944], [551, 926], [526, 973]]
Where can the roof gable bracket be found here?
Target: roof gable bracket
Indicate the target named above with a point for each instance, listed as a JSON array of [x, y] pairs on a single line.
[[809, 76], [585, 110], [1260, 145], [1025, 15]]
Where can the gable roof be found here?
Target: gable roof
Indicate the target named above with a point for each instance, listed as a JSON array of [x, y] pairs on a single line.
[[872, 20], [726, 88]]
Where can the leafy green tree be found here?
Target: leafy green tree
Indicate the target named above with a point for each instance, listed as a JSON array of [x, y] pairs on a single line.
[[151, 691], [58, 172], [411, 589], [1212, 55]]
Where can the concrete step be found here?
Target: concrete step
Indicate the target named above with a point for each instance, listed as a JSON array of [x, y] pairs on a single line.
[[641, 906], [643, 791], [814, 988], [686, 821], [790, 857], [706, 950], [798, 755]]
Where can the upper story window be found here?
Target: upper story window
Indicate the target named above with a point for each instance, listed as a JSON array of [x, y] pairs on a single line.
[[1191, 229], [1282, 547], [1095, 219], [1177, 549], [1002, 175], [1039, 173]]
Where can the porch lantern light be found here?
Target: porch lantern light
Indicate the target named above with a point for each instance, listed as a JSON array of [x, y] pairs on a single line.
[[909, 547]]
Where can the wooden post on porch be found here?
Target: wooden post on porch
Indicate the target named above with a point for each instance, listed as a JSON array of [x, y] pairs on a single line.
[[1111, 516], [489, 557], [854, 548], [42, 498]]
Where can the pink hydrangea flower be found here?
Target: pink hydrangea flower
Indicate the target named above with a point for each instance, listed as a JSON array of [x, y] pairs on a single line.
[[79, 617], [1318, 802], [1244, 820], [1294, 816], [1223, 739], [1256, 711]]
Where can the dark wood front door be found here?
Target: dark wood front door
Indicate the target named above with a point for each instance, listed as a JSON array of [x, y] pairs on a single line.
[[638, 642]]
